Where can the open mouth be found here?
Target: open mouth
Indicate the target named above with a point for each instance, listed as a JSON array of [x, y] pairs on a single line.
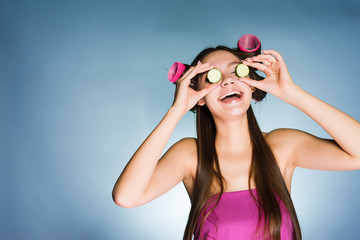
[[231, 96]]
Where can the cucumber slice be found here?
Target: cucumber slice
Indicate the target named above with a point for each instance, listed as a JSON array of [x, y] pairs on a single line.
[[214, 75], [242, 70]]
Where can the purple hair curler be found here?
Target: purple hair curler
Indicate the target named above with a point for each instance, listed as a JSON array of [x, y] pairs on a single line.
[[176, 71], [249, 43]]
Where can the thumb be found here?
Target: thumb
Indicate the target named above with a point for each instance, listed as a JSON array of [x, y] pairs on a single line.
[[252, 83], [207, 90]]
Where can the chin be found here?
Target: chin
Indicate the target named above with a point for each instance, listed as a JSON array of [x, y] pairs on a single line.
[[233, 111]]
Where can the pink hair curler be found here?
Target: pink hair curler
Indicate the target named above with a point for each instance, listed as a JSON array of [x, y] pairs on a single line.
[[249, 43], [176, 71]]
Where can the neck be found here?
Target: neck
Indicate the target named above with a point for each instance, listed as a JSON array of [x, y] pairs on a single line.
[[232, 135]]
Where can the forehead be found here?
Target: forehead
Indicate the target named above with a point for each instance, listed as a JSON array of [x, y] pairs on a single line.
[[220, 57]]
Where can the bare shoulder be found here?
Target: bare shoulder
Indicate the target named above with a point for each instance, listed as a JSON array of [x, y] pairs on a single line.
[[282, 142], [186, 149], [187, 143], [283, 137]]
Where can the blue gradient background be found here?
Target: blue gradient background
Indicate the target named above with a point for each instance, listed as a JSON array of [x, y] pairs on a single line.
[[84, 82]]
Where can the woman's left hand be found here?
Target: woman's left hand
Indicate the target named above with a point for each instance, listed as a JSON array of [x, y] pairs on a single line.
[[278, 80]]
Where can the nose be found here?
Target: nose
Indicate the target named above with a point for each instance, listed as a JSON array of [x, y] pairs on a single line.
[[227, 80]]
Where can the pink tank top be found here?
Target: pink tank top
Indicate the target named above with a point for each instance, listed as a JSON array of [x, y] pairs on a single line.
[[236, 217]]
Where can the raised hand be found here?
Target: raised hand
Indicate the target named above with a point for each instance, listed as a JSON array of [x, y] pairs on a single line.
[[185, 96], [278, 80]]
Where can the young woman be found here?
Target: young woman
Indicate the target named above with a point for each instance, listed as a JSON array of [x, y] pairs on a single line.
[[238, 178]]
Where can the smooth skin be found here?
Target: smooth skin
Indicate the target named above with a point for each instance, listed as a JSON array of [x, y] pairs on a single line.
[[148, 175]]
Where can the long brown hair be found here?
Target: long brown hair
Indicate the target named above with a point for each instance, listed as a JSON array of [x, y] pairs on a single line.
[[263, 169]]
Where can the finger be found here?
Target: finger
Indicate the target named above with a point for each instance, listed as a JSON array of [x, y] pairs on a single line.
[[199, 68], [205, 91], [263, 61], [276, 54], [251, 82], [266, 63], [269, 58], [258, 66], [190, 72], [187, 72], [205, 67]]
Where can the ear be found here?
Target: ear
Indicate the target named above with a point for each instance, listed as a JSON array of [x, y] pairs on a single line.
[[253, 89], [201, 102]]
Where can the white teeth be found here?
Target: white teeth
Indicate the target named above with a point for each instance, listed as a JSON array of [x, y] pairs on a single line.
[[228, 94]]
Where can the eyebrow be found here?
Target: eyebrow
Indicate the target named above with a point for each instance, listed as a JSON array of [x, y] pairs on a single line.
[[231, 63]]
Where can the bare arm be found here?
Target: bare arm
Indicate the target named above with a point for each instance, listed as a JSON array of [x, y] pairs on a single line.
[[134, 179], [308, 151], [341, 127], [145, 177], [340, 154]]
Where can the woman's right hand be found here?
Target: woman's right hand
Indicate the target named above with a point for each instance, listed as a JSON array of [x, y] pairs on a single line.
[[185, 96]]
